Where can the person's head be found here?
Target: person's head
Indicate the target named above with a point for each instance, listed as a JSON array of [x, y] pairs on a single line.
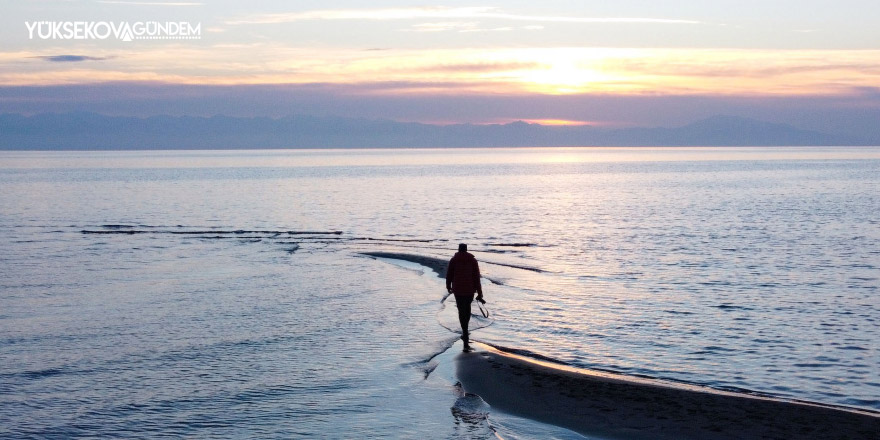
[[462, 247]]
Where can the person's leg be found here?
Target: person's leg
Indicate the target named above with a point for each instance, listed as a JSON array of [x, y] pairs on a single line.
[[464, 315]]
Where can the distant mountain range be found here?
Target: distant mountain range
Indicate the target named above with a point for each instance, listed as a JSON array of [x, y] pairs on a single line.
[[91, 131]]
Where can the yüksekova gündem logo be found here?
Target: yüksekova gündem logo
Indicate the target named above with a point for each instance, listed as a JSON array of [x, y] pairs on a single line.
[[122, 30]]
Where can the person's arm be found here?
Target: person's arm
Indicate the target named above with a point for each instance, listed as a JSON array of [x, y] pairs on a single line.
[[449, 276], [477, 281]]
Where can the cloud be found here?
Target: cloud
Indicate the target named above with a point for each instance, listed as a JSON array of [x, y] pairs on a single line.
[[552, 71], [498, 29], [757, 66], [125, 2], [444, 26], [70, 58], [473, 13], [464, 27], [483, 67]]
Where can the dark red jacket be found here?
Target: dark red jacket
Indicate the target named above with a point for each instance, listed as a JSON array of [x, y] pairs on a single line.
[[463, 274]]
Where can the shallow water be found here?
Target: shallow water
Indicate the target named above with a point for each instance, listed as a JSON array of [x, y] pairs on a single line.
[[191, 310]]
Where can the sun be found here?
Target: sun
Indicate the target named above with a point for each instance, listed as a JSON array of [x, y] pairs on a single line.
[[567, 71]]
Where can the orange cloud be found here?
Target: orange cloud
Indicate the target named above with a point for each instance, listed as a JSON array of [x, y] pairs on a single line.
[[558, 122], [547, 71], [472, 13]]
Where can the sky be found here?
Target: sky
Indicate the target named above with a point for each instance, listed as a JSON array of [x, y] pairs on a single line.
[[812, 64]]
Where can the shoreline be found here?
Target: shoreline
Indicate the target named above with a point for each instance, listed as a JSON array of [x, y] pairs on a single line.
[[620, 407]]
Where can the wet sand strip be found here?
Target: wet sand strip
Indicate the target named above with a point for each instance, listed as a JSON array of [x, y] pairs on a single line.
[[118, 231], [439, 264], [436, 264], [619, 407]]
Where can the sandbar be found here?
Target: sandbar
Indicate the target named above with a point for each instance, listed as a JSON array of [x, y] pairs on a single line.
[[622, 407]]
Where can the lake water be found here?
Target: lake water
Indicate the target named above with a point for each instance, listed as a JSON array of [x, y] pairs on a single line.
[[145, 294]]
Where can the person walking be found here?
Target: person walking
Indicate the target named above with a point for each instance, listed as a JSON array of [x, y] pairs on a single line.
[[463, 280]]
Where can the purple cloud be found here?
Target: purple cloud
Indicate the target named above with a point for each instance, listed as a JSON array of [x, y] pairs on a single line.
[[71, 58]]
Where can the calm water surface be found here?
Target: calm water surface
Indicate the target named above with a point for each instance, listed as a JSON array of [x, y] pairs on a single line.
[[186, 308]]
